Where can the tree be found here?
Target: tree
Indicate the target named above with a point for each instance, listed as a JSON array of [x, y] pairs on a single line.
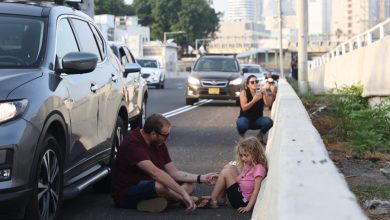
[[114, 7], [195, 17]]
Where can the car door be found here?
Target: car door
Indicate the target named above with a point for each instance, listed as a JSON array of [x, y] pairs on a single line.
[[82, 102], [105, 84]]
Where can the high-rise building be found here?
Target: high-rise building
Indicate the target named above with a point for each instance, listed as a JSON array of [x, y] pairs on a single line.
[[319, 13], [244, 10], [353, 17]]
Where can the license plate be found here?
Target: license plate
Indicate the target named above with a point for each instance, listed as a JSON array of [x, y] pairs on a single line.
[[214, 91]]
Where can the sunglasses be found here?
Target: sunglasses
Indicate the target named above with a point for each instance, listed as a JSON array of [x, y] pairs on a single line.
[[164, 135], [254, 81]]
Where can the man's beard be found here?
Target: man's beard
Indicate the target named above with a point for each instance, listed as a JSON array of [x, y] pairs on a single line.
[[156, 143]]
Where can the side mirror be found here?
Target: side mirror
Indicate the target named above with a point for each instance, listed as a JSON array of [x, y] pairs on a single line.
[[131, 68], [244, 70], [188, 69], [78, 62]]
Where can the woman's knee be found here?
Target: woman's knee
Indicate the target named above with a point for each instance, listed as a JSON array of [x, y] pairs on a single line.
[[242, 124]]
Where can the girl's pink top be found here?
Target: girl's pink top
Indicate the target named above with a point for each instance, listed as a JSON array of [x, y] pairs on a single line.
[[247, 179]]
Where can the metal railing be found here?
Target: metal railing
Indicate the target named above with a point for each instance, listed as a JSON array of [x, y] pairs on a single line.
[[361, 40]]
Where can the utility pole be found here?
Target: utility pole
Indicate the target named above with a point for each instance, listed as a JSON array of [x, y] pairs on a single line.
[[302, 45], [281, 40]]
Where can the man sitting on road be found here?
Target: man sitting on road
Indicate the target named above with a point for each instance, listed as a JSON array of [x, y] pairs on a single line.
[[144, 176]]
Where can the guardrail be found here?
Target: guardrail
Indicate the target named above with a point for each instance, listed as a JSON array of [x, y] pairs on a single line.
[[361, 40], [302, 182]]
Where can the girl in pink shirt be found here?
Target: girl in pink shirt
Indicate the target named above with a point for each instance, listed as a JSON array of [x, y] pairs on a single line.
[[242, 187]]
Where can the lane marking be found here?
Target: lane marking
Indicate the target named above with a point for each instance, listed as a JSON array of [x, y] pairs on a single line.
[[186, 108]]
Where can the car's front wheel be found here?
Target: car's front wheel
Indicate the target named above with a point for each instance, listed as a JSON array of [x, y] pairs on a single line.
[[48, 182]]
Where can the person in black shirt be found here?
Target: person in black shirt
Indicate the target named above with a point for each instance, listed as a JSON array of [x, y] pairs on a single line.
[[251, 109]]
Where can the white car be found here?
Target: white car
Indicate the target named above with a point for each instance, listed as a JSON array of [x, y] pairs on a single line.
[[253, 69], [152, 72], [137, 89]]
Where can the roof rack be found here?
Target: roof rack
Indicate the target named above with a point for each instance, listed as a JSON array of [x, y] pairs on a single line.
[[72, 3]]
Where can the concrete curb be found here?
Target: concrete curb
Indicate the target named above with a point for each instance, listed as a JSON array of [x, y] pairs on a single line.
[[302, 181]]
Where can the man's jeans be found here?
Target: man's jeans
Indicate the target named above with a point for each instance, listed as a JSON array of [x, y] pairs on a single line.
[[262, 123]]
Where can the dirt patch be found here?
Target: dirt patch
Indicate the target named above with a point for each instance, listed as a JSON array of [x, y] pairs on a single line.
[[368, 176]]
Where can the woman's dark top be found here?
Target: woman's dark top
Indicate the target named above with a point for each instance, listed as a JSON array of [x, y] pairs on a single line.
[[256, 111]]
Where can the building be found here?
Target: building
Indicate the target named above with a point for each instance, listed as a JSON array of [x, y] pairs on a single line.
[[319, 13], [351, 17], [244, 10]]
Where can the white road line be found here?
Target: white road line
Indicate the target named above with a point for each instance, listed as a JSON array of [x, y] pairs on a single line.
[[186, 108]]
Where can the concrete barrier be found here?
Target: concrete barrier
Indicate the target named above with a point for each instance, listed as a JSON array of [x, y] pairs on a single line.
[[302, 181]]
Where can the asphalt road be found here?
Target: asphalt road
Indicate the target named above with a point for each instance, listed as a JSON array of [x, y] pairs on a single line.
[[202, 140]]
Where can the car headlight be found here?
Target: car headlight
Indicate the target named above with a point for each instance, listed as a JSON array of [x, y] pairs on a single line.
[[192, 80], [12, 109], [237, 81]]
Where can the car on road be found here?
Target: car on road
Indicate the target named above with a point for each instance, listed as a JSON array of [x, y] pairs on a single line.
[[214, 77], [63, 110], [253, 69], [152, 72], [136, 87]]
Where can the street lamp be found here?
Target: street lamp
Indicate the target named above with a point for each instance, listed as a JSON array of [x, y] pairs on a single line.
[[173, 32]]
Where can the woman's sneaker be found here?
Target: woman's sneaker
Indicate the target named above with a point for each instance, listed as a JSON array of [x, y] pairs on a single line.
[[155, 205]]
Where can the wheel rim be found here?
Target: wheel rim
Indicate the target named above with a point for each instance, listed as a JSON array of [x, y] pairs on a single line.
[[48, 185], [143, 113], [118, 139]]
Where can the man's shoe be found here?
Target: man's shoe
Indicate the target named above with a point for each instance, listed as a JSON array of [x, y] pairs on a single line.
[[155, 205]]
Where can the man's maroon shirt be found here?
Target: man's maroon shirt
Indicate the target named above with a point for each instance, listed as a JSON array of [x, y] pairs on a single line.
[[133, 150]]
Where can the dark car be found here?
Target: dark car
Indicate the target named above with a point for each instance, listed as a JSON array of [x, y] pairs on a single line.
[[63, 109], [136, 86], [214, 77]]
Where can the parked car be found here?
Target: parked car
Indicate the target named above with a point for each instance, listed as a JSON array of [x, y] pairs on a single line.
[[214, 77], [152, 72], [63, 110], [253, 69], [137, 89]]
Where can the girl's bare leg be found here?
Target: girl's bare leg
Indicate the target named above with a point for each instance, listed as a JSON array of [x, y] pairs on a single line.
[[226, 178]]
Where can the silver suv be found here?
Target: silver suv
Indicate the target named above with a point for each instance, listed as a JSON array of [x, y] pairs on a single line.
[[63, 108]]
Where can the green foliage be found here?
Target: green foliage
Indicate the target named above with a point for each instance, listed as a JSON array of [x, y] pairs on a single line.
[[114, 7], [365, 128], [195, 17]]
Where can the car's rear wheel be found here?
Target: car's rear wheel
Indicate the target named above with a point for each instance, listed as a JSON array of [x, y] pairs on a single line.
[[191, 101], [104, 185], [237, 102], [48, 182]]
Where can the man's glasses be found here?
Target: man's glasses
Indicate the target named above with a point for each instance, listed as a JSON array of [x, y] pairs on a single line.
[[254, 81], [164, 135]]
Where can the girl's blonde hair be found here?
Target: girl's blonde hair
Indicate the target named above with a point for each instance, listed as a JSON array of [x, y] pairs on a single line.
[[253, 146]]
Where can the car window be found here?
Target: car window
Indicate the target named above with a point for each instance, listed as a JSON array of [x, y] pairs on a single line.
[[21, 41], [216, 64], [66, 41], [86, 38], [147, 63], [252, 69], [122, 56], [100, 41], [129, 55]]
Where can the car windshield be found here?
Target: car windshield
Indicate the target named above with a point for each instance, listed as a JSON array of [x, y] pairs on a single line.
[[216, 64], [252, 69], [21, 41], [147, 63]]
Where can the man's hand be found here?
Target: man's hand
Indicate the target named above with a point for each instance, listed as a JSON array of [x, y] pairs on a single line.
[[190, 204], [210, 178]]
